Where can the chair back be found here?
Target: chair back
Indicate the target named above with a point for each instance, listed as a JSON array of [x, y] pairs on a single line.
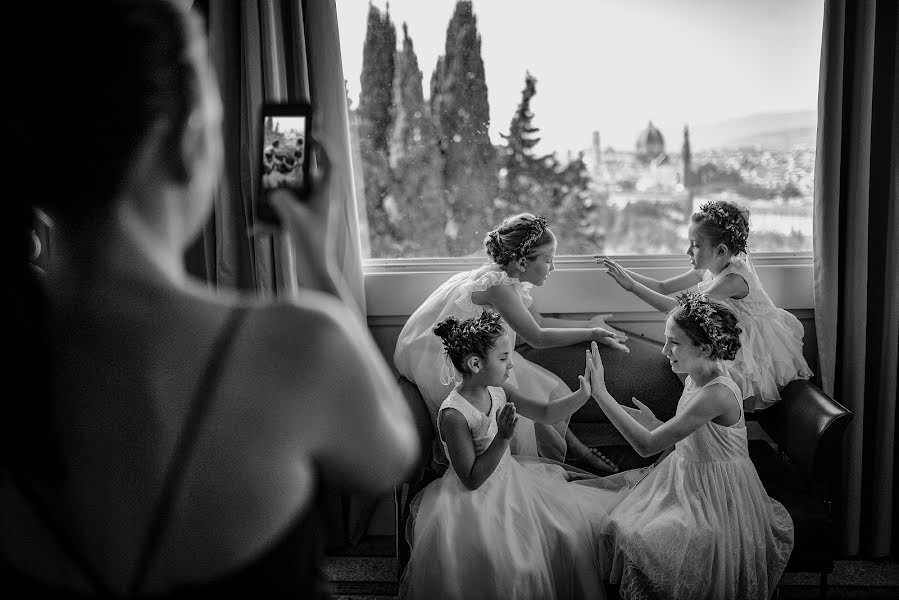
[[808, 426]]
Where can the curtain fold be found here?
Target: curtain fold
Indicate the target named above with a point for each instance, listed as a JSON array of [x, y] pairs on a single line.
[[856, 259], [261, 51]]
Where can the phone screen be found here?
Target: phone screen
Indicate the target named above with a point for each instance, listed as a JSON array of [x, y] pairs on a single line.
[[285, 153]]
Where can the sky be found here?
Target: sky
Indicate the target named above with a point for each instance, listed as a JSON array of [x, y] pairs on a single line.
[[613, 65]]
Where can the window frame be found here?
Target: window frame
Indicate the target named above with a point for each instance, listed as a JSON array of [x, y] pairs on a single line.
[[397, 286]]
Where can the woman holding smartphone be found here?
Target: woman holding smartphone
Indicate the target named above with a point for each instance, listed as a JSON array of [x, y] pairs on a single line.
[[173, 438]]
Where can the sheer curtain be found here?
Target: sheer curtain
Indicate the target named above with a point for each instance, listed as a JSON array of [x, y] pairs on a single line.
[[263, 50], [856, 263]]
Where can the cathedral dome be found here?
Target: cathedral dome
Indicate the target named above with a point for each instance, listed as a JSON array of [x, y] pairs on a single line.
[[650, 142]]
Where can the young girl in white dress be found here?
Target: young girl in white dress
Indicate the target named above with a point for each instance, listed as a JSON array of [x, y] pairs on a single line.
[[771, 343], [699, 524], [522, 250], [491, 526]]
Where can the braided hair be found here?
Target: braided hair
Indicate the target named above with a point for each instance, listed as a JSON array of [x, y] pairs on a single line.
[[516, 237], [476, 335]]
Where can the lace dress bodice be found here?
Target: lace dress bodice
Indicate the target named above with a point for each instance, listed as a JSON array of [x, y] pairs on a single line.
[[482, 426], [713, 442]]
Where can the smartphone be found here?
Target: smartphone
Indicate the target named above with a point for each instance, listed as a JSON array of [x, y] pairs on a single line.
[[283, 146]]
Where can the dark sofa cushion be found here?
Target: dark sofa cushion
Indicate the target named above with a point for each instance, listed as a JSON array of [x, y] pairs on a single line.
[[643, 373]]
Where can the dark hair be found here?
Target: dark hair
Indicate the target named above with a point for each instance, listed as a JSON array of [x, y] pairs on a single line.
[[516, 236], [708, 321], [120, 66], [723, 222], [477, 336]]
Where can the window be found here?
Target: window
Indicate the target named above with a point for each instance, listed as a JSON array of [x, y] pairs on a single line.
[[613, 119]]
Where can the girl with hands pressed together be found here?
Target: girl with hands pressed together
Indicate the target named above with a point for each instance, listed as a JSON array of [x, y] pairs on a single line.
[[494, 526], [699, 524]]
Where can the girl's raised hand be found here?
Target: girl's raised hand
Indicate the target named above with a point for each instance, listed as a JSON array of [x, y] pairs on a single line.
[[506, 421], [615, 339], [593, 378], [617, 272]]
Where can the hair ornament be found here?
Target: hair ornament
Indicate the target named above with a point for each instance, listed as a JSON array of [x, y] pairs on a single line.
[[698, 308], [537, 226], [734, 225]]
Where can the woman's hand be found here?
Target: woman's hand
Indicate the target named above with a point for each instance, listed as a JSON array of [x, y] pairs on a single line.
[[642, 414], [593, 378], [310, 224], [506, 421], [615, 339], [618, 273]]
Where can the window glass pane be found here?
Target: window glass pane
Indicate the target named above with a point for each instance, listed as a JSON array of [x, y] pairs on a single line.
[[614, 119]]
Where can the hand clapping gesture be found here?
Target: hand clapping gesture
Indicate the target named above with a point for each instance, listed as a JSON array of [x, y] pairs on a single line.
[[593, 378], [506, 421]]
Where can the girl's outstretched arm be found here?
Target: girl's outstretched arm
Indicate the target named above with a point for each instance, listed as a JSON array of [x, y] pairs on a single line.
[[666, 286], [508, 304], [708, 404], [474, 469], [623, 278], [617, 341], [731, 285]]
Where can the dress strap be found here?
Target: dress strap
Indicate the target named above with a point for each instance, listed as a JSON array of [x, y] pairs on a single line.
[[180, 458], [59, 532]]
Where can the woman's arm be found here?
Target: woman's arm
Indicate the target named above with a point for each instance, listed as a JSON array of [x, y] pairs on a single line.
[[508, 304], [354, 419], [474, 469]]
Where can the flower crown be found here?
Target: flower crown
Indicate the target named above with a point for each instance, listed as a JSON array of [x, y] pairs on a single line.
[[536, 228], [698, 308], [734, 226], [461, 337]]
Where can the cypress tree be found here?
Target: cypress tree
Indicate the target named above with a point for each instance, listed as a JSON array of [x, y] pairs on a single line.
[[460, 107], [419, 205], [375, 119]]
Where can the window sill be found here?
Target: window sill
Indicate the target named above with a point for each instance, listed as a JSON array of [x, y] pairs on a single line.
[[396, 287]]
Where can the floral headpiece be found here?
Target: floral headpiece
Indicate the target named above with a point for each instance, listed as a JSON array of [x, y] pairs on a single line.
[[460, 338], [698, 308], [733, 224], [537, 226]]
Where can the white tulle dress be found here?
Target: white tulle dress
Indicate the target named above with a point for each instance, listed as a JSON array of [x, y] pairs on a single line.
[[770, 355], [419, 357], [525, 533], [700, 524]]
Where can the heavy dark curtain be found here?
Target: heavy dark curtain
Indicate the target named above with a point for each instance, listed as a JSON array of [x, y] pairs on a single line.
[[856, 265]]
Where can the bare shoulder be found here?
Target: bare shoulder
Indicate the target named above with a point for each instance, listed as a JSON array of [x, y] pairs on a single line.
[[715, 400]]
